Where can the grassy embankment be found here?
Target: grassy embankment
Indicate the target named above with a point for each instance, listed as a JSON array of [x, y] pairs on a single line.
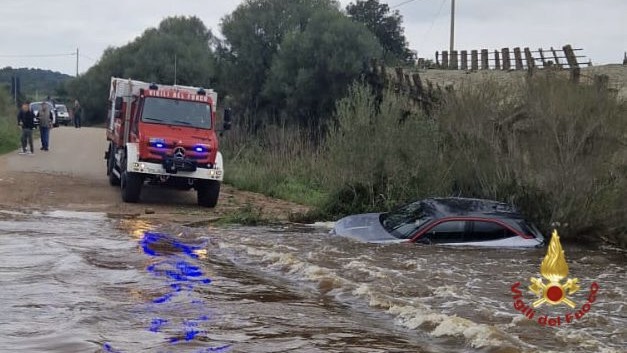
[[9, 131], [555, 149]]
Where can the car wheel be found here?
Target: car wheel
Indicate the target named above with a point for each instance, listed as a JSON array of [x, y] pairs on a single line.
[[208, 192]]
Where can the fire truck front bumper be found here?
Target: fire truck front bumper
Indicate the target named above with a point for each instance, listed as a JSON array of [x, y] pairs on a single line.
[[177, 170], [181, 168]]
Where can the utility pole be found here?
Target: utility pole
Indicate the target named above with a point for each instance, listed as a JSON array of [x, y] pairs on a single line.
[[452, 44], [14, 89], [76, 62], [175, 69]]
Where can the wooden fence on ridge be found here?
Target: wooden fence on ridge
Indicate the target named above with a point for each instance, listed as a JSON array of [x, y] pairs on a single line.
[[508, 59]]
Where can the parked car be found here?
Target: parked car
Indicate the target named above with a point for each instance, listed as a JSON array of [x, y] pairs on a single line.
[[445, 221], [36, 106], [63, 115]]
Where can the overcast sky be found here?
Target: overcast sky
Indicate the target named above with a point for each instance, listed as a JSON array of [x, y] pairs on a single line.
[[31, 30]]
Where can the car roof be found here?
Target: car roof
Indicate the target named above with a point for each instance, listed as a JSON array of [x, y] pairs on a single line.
[[442, 207]]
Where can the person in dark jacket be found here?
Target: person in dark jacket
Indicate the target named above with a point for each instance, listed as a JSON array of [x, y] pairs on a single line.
[[26, 119]]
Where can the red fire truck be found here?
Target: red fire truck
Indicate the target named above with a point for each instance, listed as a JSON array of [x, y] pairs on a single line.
[[164, 135]]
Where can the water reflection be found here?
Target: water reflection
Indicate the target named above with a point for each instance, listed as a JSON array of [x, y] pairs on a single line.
[[176, 263]]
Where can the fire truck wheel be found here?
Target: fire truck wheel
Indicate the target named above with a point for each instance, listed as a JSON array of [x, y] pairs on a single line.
[[113, 180], [208, 192], [131, 186]]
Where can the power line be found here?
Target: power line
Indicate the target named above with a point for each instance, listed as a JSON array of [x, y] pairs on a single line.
[[87, 57], [34, 55], [45, 56], [402, 3], [424, 37]]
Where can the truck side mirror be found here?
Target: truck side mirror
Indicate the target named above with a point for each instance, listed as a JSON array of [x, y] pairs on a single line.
[[227, 119], [118, 103]]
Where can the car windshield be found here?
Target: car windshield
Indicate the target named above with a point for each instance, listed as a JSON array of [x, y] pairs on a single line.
[[404, 221], [176, 112], [37, 105], [61, 108]]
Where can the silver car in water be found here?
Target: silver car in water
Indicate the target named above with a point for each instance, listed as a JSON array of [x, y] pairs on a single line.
[[445, 221]]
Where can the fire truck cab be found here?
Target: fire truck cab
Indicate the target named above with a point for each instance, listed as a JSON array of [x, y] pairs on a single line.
[[164, 135]]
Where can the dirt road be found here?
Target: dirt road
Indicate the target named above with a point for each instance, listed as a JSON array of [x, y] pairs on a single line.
[[72, 176]]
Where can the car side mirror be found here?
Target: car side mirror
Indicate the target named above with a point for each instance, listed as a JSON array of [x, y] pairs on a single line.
[[118, 103], [227, 119]]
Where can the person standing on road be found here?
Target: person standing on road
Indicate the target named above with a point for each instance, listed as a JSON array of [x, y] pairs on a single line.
[[78, 111], [45, 123], [26, 119]]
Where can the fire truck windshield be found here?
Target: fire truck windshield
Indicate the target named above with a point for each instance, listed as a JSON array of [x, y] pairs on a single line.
[[175, 112]]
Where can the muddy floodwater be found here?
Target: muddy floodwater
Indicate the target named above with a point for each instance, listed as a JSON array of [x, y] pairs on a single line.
[[83, 282]]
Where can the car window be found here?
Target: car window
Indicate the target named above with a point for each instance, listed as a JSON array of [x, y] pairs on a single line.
[[486, 231], [447, 232], [405, 221]]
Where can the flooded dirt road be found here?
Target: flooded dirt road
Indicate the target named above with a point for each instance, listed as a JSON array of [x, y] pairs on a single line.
[[82, 282], [72, 176]]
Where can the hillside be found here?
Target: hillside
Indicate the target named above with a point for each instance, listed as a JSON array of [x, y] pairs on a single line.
[[617, 76], [33, 81]]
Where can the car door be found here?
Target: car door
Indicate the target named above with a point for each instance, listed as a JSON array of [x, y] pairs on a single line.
[[447, 232]]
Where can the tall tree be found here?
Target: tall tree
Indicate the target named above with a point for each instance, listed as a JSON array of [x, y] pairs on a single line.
[[314, 68], [387, 25], [150, 57], [253, 34]]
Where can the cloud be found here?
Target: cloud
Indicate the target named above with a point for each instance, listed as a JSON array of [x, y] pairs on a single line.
[[32, 29], [91, 26], [599, 27]]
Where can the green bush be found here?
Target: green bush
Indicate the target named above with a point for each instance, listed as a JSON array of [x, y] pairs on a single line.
[[9, 131], [246, 216], [383, 153], [555, 149]]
